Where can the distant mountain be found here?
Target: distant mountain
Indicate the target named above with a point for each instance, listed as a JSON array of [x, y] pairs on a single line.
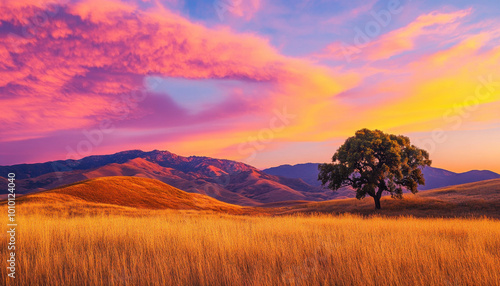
[[308, 172], [434, 177], [437, 178], [163, 158], [225, 180]]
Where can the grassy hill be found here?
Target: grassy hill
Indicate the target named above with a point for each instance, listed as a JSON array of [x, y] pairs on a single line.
[[120, 194], [124, 194], [472, 199]]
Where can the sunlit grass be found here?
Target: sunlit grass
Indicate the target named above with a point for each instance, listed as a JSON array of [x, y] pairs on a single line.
[[175, 248]]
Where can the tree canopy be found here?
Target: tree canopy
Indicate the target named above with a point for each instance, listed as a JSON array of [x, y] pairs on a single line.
[[373, 162]]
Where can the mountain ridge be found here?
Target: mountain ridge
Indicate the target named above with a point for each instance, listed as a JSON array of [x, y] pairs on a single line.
[[226, 180], [435, 177], [165, 157]]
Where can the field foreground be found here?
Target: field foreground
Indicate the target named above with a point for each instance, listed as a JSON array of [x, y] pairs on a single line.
[[182, 248]]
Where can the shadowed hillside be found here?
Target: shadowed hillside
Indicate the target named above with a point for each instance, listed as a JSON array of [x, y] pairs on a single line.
[[473, 199]]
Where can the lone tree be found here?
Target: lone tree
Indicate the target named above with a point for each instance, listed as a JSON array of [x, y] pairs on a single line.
[[373, 162]]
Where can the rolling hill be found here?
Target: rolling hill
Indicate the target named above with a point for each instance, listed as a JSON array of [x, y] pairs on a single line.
[[122, 193], [133, 195], [471, 199]]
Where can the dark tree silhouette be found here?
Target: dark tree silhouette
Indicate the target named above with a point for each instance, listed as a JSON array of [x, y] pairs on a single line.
[[373, 162]]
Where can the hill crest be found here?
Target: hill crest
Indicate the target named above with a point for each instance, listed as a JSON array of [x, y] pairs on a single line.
[[133, 192]]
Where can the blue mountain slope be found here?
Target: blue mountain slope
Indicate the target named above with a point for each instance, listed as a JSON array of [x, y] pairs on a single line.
[[434, 177]]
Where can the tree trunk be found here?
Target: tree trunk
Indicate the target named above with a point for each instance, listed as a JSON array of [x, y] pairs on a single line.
[[378, 195], [377, 202]]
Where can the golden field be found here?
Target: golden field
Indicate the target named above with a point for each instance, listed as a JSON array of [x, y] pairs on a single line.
[[193, 248], [139, 231]]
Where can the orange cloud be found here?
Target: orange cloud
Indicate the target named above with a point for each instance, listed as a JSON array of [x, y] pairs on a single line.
[[404, 39], [398, 41], [102, 11], [428, 89], [437, 88]]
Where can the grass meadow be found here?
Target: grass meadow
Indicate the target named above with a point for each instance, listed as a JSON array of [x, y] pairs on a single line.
[[190, 248]]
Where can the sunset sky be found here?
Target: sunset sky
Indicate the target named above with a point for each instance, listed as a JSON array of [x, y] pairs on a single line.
[[263, 82]]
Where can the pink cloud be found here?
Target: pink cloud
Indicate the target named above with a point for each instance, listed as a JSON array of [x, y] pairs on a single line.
[[66, 73]]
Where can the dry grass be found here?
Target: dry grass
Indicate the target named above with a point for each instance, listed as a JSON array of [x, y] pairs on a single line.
[[116, 232], [176, 248]]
